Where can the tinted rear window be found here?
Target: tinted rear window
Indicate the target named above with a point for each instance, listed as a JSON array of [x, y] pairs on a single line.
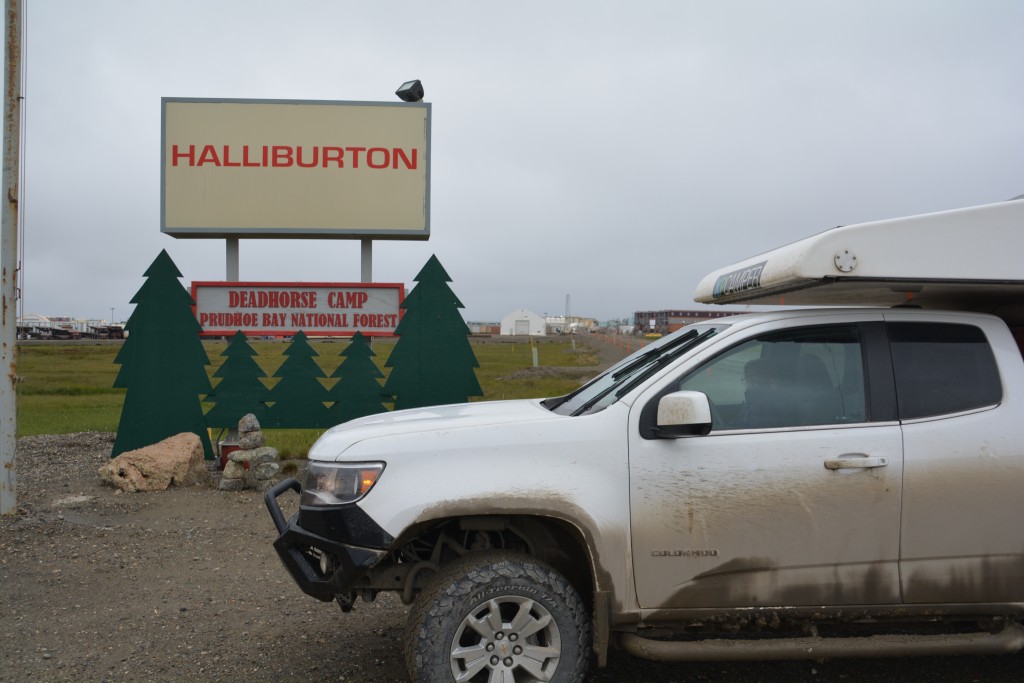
[[942, 368]]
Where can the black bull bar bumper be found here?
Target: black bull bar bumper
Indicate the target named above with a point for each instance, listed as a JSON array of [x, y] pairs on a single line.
[[301, 552]]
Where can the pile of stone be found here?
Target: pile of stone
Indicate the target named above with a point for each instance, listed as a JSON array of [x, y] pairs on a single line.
[[253, 465]]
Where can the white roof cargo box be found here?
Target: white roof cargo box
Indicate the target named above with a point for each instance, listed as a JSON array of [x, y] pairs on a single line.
[[966, 259]]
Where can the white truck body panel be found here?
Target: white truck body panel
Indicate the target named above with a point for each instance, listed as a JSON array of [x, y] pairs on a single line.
[[963, 478], [752, 517], [498, 458]]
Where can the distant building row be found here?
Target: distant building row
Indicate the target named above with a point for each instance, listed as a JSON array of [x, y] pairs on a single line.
[[525, 322], [664, 322], [35, 326]]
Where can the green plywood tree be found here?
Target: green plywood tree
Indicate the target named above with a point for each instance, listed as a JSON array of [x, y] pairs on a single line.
[[240, 390], [162, 364], [433, 362], [357, 393], [298, 399]]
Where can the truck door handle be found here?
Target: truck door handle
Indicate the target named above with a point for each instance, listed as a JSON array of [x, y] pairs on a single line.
[[855, 462]]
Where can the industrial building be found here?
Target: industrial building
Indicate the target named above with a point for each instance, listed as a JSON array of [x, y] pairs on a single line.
[[663, 322], [523, 321], [35, 326]]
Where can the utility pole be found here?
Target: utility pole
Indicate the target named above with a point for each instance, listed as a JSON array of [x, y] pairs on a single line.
[[9, 258]]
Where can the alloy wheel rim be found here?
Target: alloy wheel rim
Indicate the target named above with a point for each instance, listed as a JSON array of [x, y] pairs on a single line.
[[506, 639]]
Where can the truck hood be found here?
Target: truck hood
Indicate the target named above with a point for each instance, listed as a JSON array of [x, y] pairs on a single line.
[[335, 441]]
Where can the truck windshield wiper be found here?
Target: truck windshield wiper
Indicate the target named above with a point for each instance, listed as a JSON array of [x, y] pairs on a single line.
[[652, 353], [616, 373], [659, 363], [651, 362]]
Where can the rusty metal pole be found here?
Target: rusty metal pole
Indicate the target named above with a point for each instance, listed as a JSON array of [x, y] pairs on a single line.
[[9, 258]]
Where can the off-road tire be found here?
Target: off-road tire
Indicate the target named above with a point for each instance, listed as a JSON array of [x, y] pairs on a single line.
[[465, 587]]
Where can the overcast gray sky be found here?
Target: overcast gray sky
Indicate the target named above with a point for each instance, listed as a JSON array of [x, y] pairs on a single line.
[[614, 152]]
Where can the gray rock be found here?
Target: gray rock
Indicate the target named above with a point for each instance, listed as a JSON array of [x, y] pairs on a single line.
[[256, 456], [249, 423], [266, 470], [249, 441], [231, 485], [233, 469]]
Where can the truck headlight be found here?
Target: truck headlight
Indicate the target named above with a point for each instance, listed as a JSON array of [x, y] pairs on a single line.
[[332, 483]]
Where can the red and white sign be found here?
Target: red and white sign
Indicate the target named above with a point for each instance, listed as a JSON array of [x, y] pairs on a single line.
[[295, 168], [318, 309]]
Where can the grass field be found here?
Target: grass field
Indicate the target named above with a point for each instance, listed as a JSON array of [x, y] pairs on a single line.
[[70, 388]]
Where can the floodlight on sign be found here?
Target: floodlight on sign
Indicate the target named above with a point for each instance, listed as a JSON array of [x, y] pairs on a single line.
[[410, 91]]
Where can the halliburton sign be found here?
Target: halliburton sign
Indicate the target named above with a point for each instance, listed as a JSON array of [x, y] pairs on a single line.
[[283, 308], [284, 168]]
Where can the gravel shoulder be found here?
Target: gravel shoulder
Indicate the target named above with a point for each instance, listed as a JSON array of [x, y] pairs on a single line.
[[176, 585]]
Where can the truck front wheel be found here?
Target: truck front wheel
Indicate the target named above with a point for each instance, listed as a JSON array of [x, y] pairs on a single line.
[[498, 616]]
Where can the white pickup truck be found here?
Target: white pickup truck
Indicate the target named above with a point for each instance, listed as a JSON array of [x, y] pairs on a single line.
[[799, 483]]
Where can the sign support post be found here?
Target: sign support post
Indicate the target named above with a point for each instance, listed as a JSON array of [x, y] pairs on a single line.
[[9, 260], [366, 260], [231, 245]]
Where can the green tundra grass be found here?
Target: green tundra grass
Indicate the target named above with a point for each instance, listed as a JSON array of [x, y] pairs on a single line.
[[66, 388]]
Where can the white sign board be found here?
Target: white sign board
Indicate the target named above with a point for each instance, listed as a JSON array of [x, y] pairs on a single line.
[[284, 168], [283, 308]]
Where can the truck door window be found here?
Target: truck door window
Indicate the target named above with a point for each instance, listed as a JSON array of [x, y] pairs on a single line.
[[942, 368], [806, 376]]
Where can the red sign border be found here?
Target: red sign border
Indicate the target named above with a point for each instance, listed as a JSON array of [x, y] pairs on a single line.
[[277, 333]]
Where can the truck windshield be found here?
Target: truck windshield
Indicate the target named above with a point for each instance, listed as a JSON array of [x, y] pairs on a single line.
[[627, 374]]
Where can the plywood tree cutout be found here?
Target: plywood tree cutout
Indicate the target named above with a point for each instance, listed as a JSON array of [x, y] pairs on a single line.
[[298, 399], [240, 390], [163, 364], [357, 392], [433, 362]]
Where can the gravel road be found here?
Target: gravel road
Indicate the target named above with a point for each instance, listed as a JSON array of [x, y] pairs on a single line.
[[184, 585]]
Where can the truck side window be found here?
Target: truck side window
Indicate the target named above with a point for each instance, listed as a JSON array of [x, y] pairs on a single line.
[[805, 376], [942, 368]]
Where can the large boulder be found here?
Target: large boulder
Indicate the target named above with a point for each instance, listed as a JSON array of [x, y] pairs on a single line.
[[175, 461]]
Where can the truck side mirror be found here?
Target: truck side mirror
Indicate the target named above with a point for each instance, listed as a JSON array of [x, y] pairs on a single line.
[[683, 413]]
